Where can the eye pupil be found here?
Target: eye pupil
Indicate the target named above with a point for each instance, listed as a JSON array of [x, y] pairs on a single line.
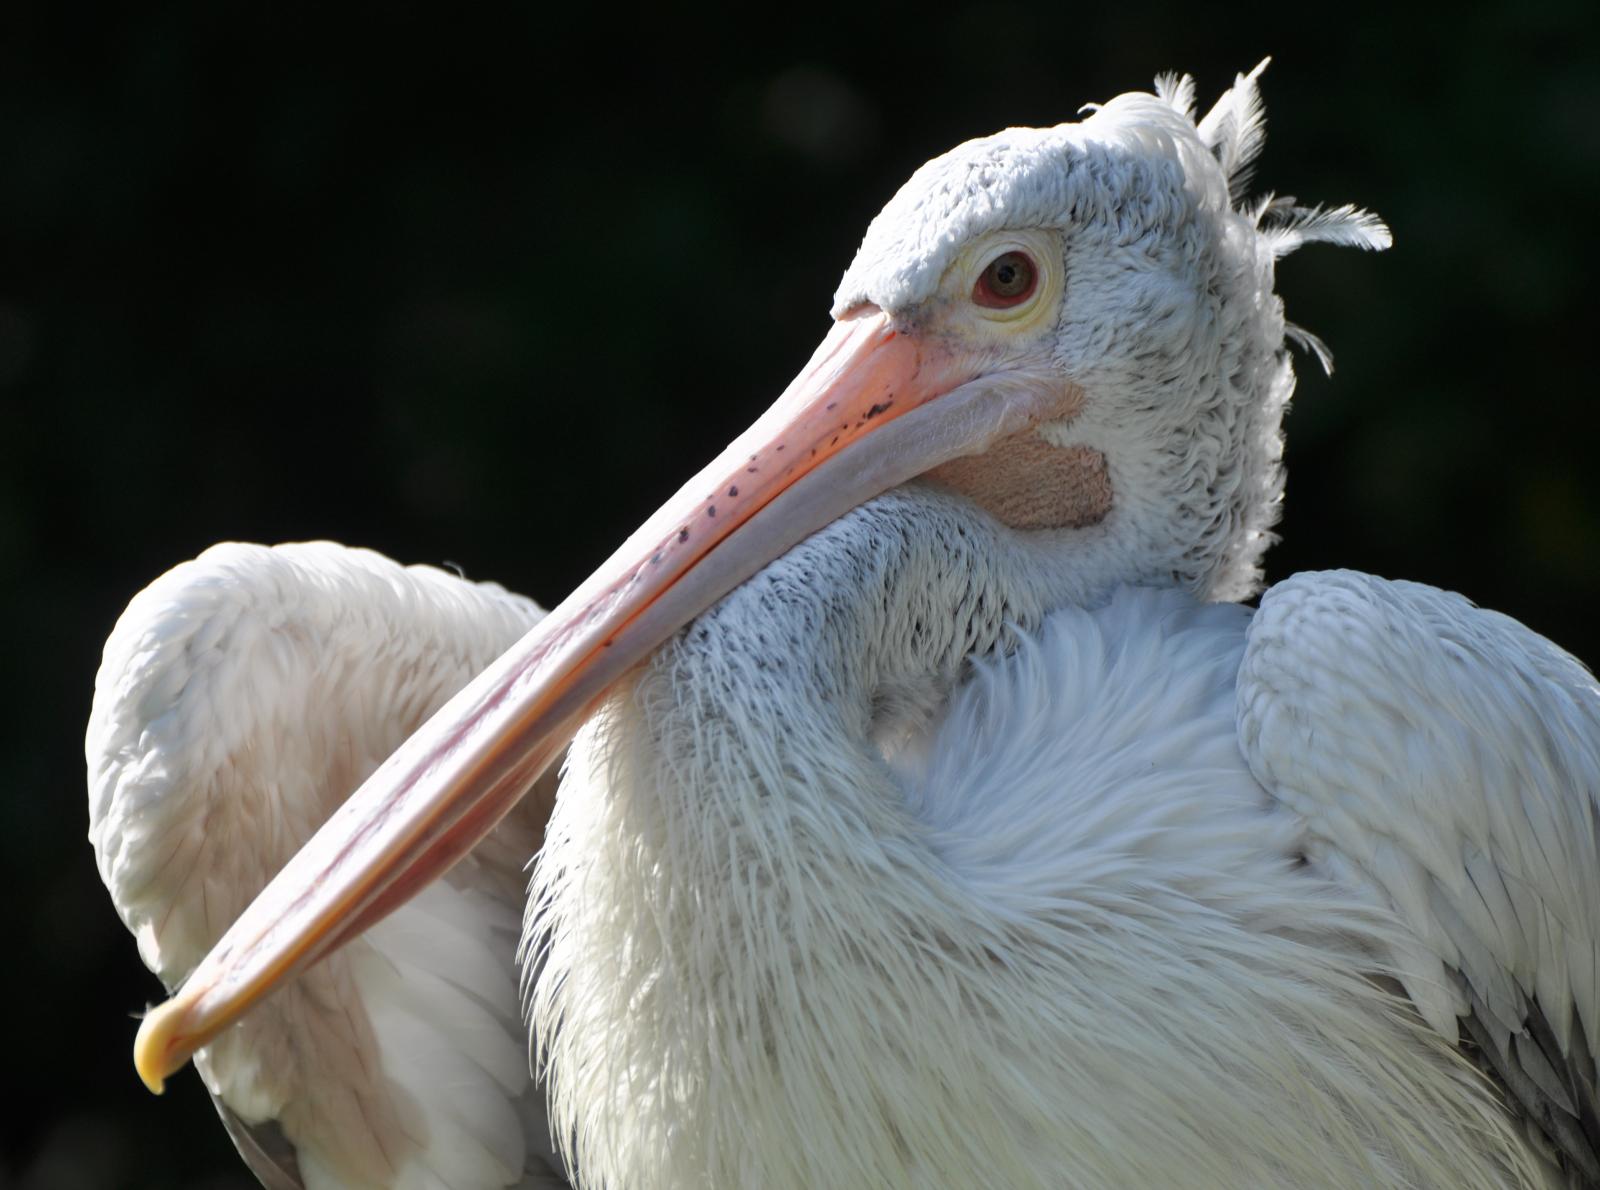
[[1008, 281]]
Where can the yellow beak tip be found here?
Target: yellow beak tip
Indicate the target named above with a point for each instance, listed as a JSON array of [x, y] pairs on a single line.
[[153, 1047]]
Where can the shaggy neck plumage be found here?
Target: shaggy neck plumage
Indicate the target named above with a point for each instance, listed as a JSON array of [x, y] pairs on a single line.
[[758, 959], [737, 854]]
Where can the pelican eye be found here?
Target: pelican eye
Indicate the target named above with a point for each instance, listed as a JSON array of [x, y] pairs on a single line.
[[1009, 280]]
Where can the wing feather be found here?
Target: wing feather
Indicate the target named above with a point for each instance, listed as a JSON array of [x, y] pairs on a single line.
[[242, 696], [1447, 759]]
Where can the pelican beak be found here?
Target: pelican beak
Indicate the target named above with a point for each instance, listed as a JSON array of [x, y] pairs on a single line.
[[873, 408]]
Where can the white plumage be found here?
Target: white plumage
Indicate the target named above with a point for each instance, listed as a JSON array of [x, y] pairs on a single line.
[[241, 697], [1446, 760], [1065, 931], [965, 843]]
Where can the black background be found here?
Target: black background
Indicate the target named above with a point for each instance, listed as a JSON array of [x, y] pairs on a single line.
[[485, 288]]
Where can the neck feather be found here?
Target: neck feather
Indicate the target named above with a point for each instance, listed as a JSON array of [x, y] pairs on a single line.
[[762, 959]]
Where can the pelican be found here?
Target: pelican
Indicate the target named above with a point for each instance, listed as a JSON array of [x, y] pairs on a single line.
[[933, 812]]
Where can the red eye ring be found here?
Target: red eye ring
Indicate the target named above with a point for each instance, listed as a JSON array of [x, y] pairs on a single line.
[[1009, 280]]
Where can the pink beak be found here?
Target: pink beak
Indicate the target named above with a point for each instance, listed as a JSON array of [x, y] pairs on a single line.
[[873, 408]]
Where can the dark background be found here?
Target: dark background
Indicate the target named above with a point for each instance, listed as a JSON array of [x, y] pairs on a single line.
[[485, 288]]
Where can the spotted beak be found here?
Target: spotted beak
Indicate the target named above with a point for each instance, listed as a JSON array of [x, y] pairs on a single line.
[[875, 406]]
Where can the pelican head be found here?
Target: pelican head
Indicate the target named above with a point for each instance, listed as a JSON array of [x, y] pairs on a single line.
[[1074, 326], [1151, 300]]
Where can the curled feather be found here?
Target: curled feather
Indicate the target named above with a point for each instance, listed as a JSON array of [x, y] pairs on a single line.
[[1348, 226], [1178, 90], [1306, 341], [1236, 129]]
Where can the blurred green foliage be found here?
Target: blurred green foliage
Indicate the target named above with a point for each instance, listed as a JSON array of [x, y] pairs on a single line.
[[483, 288]]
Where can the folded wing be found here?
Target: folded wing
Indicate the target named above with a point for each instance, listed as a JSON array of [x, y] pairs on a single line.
[[1447, 759], [242, 696]]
